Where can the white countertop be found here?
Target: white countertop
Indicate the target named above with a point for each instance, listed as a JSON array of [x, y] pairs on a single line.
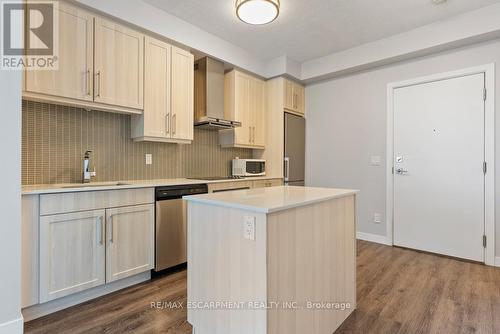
[[268, 200], [117, 185]]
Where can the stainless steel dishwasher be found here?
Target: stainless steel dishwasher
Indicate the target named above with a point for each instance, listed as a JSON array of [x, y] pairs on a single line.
[[171, 225]]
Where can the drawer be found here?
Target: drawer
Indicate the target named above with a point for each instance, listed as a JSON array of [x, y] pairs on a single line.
[[267, 183], [51, 204], [226, 186]]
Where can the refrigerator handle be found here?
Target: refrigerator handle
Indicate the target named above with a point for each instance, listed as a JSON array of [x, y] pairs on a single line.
[[287, 169]]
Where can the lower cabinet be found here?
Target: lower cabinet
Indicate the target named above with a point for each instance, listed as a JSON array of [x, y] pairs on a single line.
[[72, 253], [86, 249], [130, 241]]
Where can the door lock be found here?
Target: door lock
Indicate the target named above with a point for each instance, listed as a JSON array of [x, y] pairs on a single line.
[[401, 171]]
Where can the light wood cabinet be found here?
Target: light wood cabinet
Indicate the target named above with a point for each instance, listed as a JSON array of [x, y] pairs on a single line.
[[119, 67], [244, 101], [130, 241], [257, 112], [73, 79], [168, 95], [72, 253], [294, 97], [30, 261], [154, 123], [282, 95], [85, 240], [182, 94], [100, 65]]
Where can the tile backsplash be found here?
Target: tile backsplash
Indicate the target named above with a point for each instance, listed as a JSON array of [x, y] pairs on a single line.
[[54, 139]]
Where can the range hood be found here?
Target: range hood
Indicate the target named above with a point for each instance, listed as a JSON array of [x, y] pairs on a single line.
[[209, 96]]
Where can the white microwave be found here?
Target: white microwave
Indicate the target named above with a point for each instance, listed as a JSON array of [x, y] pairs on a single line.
[[249, 167]]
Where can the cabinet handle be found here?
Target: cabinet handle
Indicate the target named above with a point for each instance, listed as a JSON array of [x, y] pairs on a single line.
[[254, 134], [174, 124], [111, 229], [88, 82], [101, 232], [98, 81], [168, 123]]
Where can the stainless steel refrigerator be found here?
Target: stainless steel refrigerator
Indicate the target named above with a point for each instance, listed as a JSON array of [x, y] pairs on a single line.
[[295, 147]]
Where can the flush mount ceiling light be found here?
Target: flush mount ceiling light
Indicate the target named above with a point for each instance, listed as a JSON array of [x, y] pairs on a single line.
[[257, 11]]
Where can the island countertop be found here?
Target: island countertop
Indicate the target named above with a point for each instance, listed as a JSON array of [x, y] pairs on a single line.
[[272, 199]]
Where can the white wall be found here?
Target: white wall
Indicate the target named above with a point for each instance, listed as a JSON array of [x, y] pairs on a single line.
[[346, 124], [10, 203]]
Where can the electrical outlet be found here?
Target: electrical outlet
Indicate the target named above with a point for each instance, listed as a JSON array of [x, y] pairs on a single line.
[[377, 218], [149, 159], [249, 227]]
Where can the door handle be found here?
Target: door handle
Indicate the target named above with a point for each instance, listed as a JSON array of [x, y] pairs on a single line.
[[401, 171], [287, 168]]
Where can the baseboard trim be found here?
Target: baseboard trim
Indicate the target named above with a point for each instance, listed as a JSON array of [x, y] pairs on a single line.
[[40, 310], [15, 326], [379, 239], [497, 261]]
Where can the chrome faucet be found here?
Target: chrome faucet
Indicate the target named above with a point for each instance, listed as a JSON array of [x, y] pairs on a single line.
[[87, 174]]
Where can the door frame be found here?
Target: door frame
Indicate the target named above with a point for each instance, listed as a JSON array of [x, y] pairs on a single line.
[[489, 190]]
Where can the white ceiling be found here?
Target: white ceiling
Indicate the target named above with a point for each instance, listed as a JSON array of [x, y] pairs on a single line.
[[307, 29]]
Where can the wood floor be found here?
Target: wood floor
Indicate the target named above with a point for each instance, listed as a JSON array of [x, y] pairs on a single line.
[[399, 291]]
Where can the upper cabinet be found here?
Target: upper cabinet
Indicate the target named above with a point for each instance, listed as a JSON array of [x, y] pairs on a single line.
[[294, 97], [73, 79], [168, 95], [100, 65], [182, 94], [118, 73], [244, 101]]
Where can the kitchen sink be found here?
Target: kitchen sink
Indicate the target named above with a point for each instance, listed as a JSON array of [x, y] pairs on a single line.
[[94, 185]]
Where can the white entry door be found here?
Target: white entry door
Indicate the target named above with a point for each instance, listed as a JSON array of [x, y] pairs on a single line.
[[438, 175]]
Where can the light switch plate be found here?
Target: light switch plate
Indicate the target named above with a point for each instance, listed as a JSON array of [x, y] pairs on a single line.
[[375, 160], [377, 218], [149, 159], [249, 227]]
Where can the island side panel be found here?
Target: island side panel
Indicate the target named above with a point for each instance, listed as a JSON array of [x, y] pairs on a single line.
[[223, 266], [312, 258]]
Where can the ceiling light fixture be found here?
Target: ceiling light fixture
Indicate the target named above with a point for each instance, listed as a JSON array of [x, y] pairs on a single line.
[[257, 12]]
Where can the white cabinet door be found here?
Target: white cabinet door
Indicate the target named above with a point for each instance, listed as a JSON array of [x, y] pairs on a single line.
[[119, 56], [130, 241], [73, 78], [182, 94], [72, 253]]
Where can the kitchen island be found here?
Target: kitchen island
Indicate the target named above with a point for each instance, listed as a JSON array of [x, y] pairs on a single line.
[[272, 260]]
